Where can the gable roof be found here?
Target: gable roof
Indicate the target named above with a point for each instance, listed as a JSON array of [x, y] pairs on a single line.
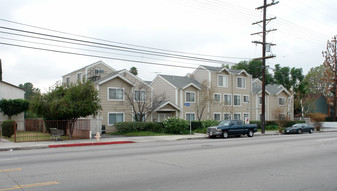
[[220, 69], [113, 75], [181, 81], [14, 86], [90, 65], [271, 89], [168, 103]]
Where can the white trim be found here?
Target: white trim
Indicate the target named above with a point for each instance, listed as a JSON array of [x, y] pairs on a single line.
[[224, 101], [224, 68], [190, 114], [219, 113], [139, 79], [236, 113], [219, 96], [176, 92], [234, 100], [195, 96], [108, 97], [115, 113], [225, 85], [243, 117], [237, 84], [168, 102], [191, 84], [91, 65], [113, 77]]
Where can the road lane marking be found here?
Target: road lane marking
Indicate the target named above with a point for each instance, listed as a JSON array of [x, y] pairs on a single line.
[[8, 159], [332, 139], [30, 185], [8, 170]]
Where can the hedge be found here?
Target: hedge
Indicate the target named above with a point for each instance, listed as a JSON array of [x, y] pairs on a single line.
[[128, 127], [274, 123], [8, 128]]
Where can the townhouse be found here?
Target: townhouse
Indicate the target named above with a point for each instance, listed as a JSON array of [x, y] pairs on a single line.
[[209, 92]]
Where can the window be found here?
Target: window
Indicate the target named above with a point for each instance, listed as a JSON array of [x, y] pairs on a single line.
[[217, 97], [245, 98], [115, 118], [79, 77], [281, 101], [99, 70], [227, 99], [237, 100], [260, 100], [241, 82], [115, 94], [190, 97], [217, 116], [137, 117], [140, 95], [237, 116], [227, 116], [190, 116], [67, 81], [222, 81]]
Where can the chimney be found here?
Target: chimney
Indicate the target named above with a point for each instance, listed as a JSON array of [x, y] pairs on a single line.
[[0, 71]]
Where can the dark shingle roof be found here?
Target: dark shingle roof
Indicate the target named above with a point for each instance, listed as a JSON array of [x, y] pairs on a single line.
[[180, 81], [272, 89]]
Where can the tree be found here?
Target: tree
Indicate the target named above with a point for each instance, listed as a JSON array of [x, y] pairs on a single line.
[[30, 91], [205, 97], [133, 70], [67, 103], [317, 119], [13, 107], [315, 80], [254, 67], [143, 103], [282, 76], [330, 75]]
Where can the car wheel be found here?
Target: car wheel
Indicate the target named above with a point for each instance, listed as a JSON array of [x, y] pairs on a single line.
[[250, 133], [225, 134], [311, 130], [299, 131]]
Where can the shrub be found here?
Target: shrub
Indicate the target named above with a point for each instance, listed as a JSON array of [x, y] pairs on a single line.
[[128, 127], [8, 128], [272, 127], [209, 123], [176, 125], [196, 125]]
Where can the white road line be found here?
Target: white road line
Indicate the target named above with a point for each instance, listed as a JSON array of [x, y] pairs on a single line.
[[8, 159], [331, 139]]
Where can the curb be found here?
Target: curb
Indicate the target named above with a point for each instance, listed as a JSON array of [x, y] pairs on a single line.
[[89, 144]]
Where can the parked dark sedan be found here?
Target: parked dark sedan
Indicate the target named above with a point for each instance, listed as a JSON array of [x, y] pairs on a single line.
[[299, 128]]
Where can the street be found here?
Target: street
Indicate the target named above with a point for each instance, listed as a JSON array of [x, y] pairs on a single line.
[[285, 162]]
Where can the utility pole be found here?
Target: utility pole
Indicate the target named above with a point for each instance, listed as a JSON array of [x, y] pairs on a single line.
[[264, 56], [330, 63]]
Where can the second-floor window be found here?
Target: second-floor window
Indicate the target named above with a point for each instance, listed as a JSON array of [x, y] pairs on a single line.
[[190, 97], [217, 97], [237, 100], [116, 94], [140, 95], [222, 81], [227, 99], [281, 101], [241, 82]]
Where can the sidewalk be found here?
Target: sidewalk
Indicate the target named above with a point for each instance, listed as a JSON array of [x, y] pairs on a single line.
[[107, 139]]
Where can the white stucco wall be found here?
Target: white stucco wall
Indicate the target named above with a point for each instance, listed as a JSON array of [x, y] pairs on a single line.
[[9, 91]]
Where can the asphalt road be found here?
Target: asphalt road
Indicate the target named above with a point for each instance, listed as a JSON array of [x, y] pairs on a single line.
[[286, 162]]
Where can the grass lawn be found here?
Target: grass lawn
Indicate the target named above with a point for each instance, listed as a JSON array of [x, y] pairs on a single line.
[[29, 136]]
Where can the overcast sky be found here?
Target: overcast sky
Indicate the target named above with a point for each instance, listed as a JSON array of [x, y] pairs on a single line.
[[221, 28]]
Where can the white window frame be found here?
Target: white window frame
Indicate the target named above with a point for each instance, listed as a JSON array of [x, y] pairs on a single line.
[[194, 97], [284, 99], [244, 120], [237, 113], [190, 113], [234, 100], [110, 124], [243, 100], [218, 79], [237, 82], [68, 81], [227, 113], [260, 100], [224, 100], [115, 99], [140, 95], [219, 97], [217, 113]]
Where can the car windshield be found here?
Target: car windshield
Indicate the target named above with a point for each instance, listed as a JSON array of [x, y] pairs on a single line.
[[226, 122], [295, 125]]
